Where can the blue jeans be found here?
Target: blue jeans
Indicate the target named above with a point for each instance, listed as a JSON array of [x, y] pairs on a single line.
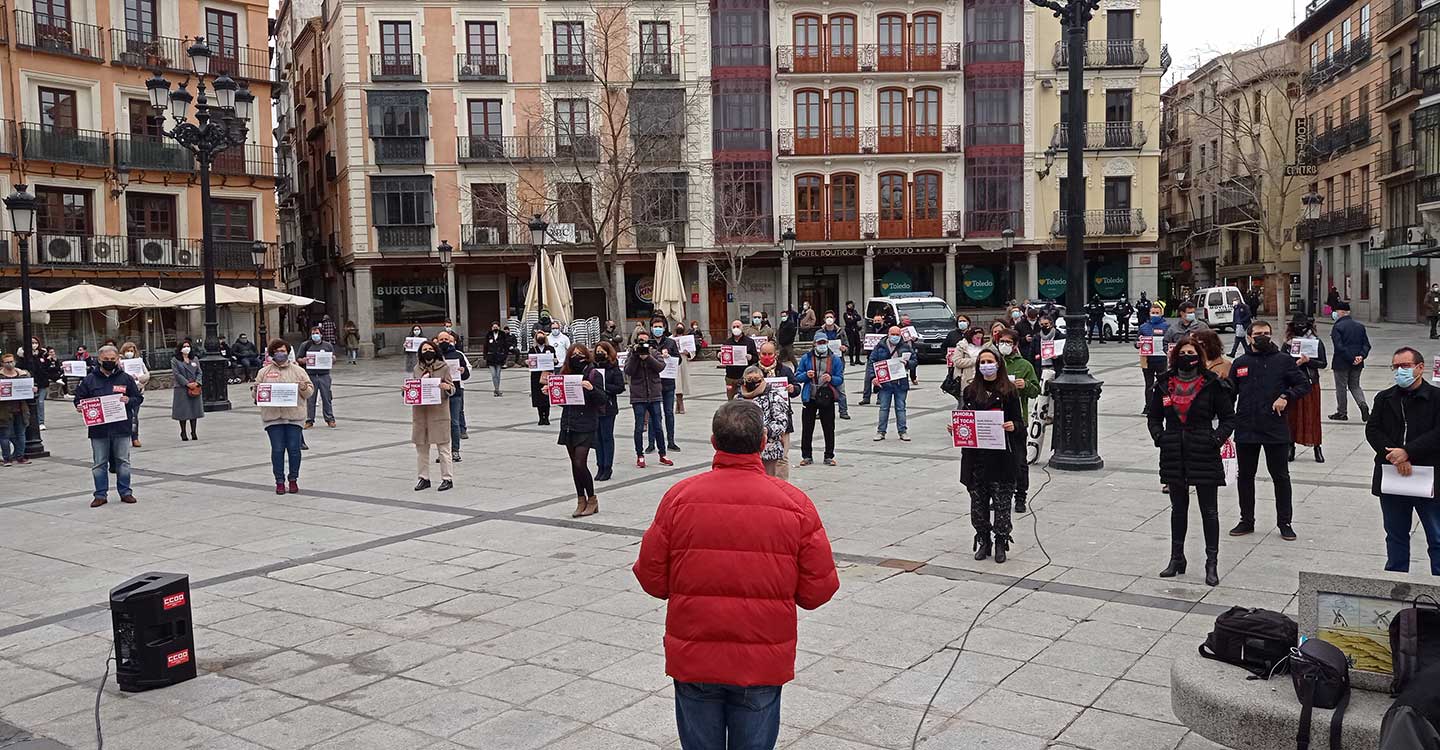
[[321, 394], [887, 397], [12, 438], [1396, 511], [105, 452], [655, 411], [710, 716], [40, 406], [869, 380], [495, 376], [457, 418], [284, 438], [605, 443], [667, 397]]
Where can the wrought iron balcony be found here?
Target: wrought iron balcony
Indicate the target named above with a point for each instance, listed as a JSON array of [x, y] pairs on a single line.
[[482, 67], [245, 63], [1103, 135], [151, 152], [248, 159], [994, 52], [1400, 83], [1355, 132], [1339, 63], [61, 250], [385, 66], [58, 35], [1393, 16], [901, 225], [655, 66], [1395, 163], [1105, 222], [476, 149], [67, 145], [990, 223], [493, 236], [569, 66], [399, 149], [1106, 53], [135, 49], [888, 139], [867, 58], [994, 135], [1339, 221], [660, 234], [403, 239], [1429, 189], [1430, 82], [1246, 213]]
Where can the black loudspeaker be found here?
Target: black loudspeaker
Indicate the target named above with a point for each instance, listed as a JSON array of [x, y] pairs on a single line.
[[154, 641]]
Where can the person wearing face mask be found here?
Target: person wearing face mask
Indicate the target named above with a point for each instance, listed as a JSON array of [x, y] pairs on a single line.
[[319, 376], [759, 327], [1022, 376], [1154, 364], [1192, 413], [284, 424], [457, 362], [352, 341], [14, 416], [539, 398], [131, 352], [410, 357], [699, 335], [733, 373], [1188, 324], [612, 381], [1432, 308], [1123, 311], [643, 368], [1303, 416], [877, 325], [832, 331], [1213, 352], [772, 367], [1266, 382], [1351, 347], [1048, 332], [821, 376], [246, 355], [988, 474], [682, 377], [497, 348], [964, 358], [853, 320], [1405, 433], [430, 424], [663, 347], [557, 337], [808, 322], [786, 333], [44, 366], [612, 334], [187, 406], [1241, 318], [109, 442], [1095, 320], [897, 389], [578, 425], [775, 408]]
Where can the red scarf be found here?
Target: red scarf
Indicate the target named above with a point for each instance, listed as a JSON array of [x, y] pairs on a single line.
[[1182, 393]]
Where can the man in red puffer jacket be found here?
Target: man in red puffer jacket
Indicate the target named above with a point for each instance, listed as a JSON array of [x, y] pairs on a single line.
[[734, 551]]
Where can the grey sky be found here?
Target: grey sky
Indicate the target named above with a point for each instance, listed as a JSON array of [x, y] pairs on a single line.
[[1197, 30]]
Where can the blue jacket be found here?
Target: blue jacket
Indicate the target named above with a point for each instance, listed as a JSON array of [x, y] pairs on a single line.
[[882, 352], [1154, 329], [1350, 341], [1242, 316], [807, 363], [98, 384]]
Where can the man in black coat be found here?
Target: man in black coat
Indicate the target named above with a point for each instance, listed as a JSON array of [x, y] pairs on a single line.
[[1266, 381], [1123, 311], [1095, 314], [497, 349], [852, 332], [1350, 347], [1404, 430]]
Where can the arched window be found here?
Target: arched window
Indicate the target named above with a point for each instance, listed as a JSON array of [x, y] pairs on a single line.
[[892, 121], [925, 120], [892, 42], [842, 44], [892, 205], [808, 42], [844, 206], [809, 207], [925, 42], [844, 124], [925, 205], [809, 122]]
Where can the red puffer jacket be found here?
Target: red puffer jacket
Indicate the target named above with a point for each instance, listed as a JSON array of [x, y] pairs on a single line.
[[734, 550]]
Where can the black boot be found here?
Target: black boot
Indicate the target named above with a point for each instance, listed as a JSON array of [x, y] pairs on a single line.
[[1002, 543], [1319, 455], [982, 546], [183, 436], [1212, 577], [1177, 561], [1292, 452], [1020, 504]]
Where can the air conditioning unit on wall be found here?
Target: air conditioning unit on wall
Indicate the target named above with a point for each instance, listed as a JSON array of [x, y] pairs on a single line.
[[155, 251], [1415, 236], [1377, 238], [56, 248]]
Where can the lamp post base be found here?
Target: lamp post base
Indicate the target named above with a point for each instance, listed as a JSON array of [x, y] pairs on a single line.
[[34, 445], [1076, 396], [214, 389]]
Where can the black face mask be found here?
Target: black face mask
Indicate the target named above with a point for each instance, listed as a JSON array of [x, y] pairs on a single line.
[[577, 363], [1187, 362], [109, 366], [752, 384], [602, 358], [427, 356], [1263, 344]]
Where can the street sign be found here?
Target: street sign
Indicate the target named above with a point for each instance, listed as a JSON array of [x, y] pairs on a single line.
[[1302, 170], [561, 233]]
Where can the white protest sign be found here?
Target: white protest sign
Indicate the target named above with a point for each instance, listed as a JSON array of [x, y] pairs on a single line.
[[565, 390], [542, 362], [781, 386], [890, 369], [318, 360], [133, 367], [455, 369], [277, 394], [17, 389], [978, 429], [1047, 350], [672, 368], [422, 392], [1305, 347], [686, 343], [103, 410], [74, 368], [412, 343], [733, 356], [872, 340]]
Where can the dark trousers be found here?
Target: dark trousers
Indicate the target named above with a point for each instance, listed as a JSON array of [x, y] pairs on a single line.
[[852, 339], [1095, 329], [605, 443], [1434, 319], [284, 439], [457, 419], [655, 412], [1397, 511], [1207, 497], [1122, 332], [990, 509], [1277, 461], [1347, 380], [826, 414], [667, 400], [711, 716], [1022, 464]]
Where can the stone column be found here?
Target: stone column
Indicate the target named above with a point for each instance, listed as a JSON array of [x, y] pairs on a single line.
[[702, 275], [619, 301], [365, 317], [1354, 268], [952, 292], [1032, 275], [784, 280], [869, 273]]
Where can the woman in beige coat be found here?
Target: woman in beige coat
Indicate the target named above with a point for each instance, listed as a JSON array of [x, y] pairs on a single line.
[[283, 423], [430, 425], [130, 353]]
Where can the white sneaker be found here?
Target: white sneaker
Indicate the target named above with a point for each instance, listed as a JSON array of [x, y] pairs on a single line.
[[879, 436], [42, 428]]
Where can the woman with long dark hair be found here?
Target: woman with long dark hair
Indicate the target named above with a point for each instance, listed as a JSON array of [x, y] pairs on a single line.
[[1303, 416], [988, 473], [578, 425], [612, 380], [187, 405], [1191, 414]]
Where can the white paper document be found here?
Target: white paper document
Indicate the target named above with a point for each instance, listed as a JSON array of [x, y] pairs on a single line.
[[565, 390], [422, 392], [781, 386], [978, 429], [103, 410], [133, 367], [412, 343], [1420, 483], [890, 369], [672, 368], [73, 368], [1305, 347], [17, 389], [277, 394], [318, 360], [542, 362], [686, 343]]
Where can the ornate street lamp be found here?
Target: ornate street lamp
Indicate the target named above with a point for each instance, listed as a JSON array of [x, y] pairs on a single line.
[[218, 126], [538, 229], [257, 254], [1007, 239], [1076, 442], [22, 205], [447, 255]]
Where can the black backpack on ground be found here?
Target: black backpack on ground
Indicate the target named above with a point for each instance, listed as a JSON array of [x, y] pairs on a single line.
[[1256, 639], [1413, 723], [1321, 674], [1414, 642]]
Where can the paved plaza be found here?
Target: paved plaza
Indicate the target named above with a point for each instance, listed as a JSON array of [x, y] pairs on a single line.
[[361, 615]]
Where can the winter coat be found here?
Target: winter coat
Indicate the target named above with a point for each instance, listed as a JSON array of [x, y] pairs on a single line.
[[807, 320], [644, 374], [1313, 367], [613, 379], [587, 418], [1027, 332], [1148, 329], [1432, 302], [8, 409], [98, 384], [836, 369], [882, 352], [290, 373], [1241, 317], [784, 371], [1350, 341], [243, 349], [46, 371], [1404, 418], [352, 337], [497, 347], [430, 425], [1190, 450], [1053, 334], [981, 465], [1221, 368], [763, 329], [1258, 378], [734, 551], [1180, 329], [787, 331], [1019, 367], [183, 406], [540, 378]]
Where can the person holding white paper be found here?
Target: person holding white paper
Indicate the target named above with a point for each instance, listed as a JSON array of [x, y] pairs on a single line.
[[1052, 343], [1303, 416], [897, 388], [319, 375], [132, 363], [1153, 363], [1192, 413], [538, 378], [459, 366], [430, 424], [109, 441], [283, 424], [14, 416], [579, 424], [989, 474], [775, 406], [1404, 431]]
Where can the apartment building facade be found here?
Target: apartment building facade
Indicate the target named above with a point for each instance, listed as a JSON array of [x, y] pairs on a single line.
[[119, 203], [1425, 135]]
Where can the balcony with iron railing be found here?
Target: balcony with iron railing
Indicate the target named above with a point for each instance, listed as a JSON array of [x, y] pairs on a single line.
[[66, 145], [482, 67], [867, 58], [245, 160], [1007, 134], [568, 66], [654, 66], [1430, 82], [1339, 63], [1355, 132], [151, 152], [1105, 53], [885, 139], [1394, 16], [58, 35], [992, 222], [1399, 86], [476, 149], [853, 227], [1245, 213], [137, 49], [494, 235], [388, 66], [1339, 221], [391, 149], [1105, 222], [135, 252], [408, 238], [994, 52], [1428, 189], [1396, 163], [243, 63], [1103, 135], [658, 234]]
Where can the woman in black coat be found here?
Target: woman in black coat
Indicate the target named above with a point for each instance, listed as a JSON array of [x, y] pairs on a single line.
[[989, 474], [607, 363], [1192, 413], [578, 425], [539, 398]]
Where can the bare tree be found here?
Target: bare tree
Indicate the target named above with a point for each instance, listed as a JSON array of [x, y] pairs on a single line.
[[738, 227]]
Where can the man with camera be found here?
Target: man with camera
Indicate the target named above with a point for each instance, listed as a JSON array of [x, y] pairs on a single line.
[[646, 396]]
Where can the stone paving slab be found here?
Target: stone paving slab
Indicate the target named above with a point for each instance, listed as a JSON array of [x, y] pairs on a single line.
[[361, 614]]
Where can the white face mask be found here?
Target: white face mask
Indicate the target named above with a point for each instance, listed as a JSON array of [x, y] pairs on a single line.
[[735, 331], [184, 350], [829, 321], [1006, 349], [128, 355]]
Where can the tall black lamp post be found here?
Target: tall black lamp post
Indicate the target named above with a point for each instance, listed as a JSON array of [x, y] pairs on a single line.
[[218, 126], [1076, 442], [258, 252], [538, 230], [21, 203], [447, 262]]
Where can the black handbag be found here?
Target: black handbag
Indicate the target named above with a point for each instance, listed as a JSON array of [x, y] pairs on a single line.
[[1258, 640], [1321, 674]]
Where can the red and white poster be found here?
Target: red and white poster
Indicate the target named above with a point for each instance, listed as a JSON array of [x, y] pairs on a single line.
[[17, 389], [565, 390], [978, 429], [733, 356], [422, 392], [277, 394], [889, 369], [1047, 350], [102, 410]]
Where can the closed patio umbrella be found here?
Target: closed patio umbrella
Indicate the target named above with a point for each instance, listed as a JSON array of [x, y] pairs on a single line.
[[669, 290], [564, 299]]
